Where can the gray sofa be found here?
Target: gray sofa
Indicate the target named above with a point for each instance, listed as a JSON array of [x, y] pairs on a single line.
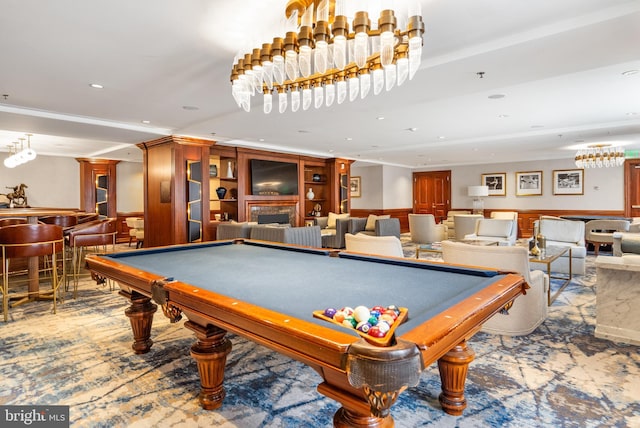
[[306, 236], [233, 230], [382, 227]]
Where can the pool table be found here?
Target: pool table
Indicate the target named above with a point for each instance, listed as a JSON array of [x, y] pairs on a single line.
[[267, 293]]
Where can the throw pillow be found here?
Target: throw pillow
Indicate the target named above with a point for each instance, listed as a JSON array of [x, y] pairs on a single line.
[[333, 217], [371, 221]]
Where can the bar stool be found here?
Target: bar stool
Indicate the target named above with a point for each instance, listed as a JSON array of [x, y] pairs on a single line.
[[131, 224], [97, 233], [10, 221], [31, 240]]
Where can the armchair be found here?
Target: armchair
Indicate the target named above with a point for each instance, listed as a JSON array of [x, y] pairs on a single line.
[[451, 230], [561, 232], [508, 215], [491, 229], [424, 230], [465, 224], [375, 225], [528, 311], [333, 228], [599, 232], [626, 243]]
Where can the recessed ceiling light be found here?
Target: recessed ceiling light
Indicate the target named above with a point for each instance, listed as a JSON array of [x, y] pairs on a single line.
[[348, 138], [496, 96], [629, 72], [261, 139], [502, 116], [146, 122], [96, 85], [412, 129], [380, 117], [442, 137], [632, 113], [190, 108]]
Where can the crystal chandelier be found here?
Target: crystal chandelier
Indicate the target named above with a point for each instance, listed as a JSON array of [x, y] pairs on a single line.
[[600, 156], [321, 60], [18, 157]]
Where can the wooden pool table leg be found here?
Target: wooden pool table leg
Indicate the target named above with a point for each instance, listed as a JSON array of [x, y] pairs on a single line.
[[140, 315], [210, 353], [453, 373]]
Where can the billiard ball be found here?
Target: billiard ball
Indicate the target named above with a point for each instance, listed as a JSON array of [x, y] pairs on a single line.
[[363, 326], [329, 312], [361, 313]]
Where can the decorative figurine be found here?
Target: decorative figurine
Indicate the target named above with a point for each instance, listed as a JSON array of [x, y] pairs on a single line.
[[18, 197]]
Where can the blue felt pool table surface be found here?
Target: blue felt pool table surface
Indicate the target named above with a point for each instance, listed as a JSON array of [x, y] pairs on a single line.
[[296, 282]]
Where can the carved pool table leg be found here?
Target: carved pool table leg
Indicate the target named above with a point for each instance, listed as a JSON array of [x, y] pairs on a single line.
[[140, 315], [210, 353], [453, 373]]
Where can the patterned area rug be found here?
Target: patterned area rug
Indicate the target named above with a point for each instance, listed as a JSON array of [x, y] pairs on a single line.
[[560, 375]]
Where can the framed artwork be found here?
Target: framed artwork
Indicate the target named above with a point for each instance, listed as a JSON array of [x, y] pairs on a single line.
[[568, 182], [496, 182], [355, 187], [529, 183]]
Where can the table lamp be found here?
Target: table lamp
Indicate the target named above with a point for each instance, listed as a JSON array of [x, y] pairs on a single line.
[[477, 192]]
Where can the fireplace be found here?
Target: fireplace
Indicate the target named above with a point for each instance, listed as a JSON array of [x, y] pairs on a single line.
[[253, 209]]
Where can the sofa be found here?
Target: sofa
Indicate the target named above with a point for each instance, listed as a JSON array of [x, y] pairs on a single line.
[[332, 229], [375, 225], [306, 236], [389, 246], [618, 298], [529, 310], [561, 232], [489, 229], [233, 230]]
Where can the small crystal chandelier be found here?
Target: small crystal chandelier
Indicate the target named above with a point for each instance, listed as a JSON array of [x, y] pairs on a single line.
[[320, 60], [20, 156], [600, 156]]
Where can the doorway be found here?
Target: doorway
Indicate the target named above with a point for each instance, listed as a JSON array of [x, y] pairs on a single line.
[[632, 188], [432, 193]]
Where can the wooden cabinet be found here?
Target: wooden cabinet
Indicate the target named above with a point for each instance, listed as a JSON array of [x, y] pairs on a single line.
[[315, 190], [223, 184], [171, 204]]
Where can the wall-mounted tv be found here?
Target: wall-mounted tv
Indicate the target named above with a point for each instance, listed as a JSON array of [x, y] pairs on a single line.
[[272, 178]]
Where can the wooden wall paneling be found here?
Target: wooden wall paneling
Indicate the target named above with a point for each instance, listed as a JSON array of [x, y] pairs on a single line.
[[90, 169]]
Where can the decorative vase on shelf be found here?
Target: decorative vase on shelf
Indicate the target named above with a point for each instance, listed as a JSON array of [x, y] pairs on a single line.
[[221, 191], [229, 169], [310, 194]]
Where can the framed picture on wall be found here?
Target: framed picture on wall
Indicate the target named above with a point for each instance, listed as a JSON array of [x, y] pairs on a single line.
[[568, 182], [496, 182], [355, 187], [529, 183]]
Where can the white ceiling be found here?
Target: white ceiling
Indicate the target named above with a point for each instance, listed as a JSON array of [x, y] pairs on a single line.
[[559, 63]]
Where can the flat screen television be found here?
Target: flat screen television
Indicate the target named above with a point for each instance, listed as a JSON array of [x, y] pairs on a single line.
[[272, 178]]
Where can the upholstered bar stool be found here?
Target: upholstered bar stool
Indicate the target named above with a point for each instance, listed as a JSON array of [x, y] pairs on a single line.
[[131, 224], [97, 233], [31, 240]]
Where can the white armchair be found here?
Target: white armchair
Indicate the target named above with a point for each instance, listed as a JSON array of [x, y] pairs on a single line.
[[424, 230], [508, 215], [490, 229], [528, 311], [568, 233], [451, 231], [465, 224]]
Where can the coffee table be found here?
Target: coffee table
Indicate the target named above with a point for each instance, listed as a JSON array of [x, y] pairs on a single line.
[[547, 256], [436, 247]]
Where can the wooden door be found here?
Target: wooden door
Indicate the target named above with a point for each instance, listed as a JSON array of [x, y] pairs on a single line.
[[632, 187], [432, 193]]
